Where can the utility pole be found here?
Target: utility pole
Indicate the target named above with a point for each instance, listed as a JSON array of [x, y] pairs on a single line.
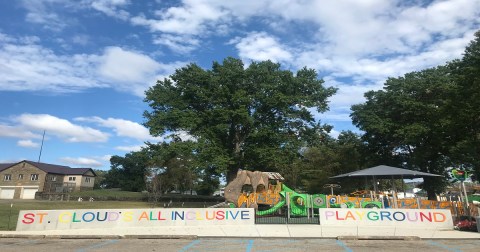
[[41, 147]]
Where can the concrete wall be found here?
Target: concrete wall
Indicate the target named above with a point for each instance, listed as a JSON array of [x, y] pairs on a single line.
[[419, 218], [116, 218]]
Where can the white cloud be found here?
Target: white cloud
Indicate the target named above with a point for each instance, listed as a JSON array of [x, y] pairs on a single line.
[[130, 71], [194, 17], [123, 128], [61, 128], [81, 161], [81, 39], [106, 157], [17, 132], [122, 65], [38, 12], [51, 14], [333, 133], [183, 135], [32, 67], [111, 8], [27, 144], [130, 148], [359, 42], [261, 46], [367, 40], [26, 66], [177, 43]]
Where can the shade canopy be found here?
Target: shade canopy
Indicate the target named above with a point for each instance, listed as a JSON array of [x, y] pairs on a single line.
[[387, 172]]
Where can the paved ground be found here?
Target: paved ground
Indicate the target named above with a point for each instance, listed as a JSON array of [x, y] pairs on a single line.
[[234, 245]]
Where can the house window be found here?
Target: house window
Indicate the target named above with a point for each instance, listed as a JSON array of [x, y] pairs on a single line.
[[53, 178], [20, 176], [7, 177], [34, 177], [72, 178], [87, 180]]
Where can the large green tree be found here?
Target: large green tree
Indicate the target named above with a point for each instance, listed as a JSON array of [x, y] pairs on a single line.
[[465, 110], [407, 123], [177, 167], [332, 157], [128, 173], [254, 117]]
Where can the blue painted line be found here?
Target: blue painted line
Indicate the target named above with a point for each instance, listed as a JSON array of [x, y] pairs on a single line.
[[18, 243], [191, 244], [443, 246], [341, 244], [99, 245], [249, 246]]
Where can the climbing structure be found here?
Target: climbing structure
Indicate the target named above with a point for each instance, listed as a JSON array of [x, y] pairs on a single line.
[[266, 192]]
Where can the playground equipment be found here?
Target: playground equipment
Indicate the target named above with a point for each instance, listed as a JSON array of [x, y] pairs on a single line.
[[266, 192]]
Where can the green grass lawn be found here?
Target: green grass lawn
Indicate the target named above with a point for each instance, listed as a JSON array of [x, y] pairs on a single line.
[[109, 194], [11, 213]]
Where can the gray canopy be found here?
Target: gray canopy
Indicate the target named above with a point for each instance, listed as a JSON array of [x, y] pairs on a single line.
[[386, 172]]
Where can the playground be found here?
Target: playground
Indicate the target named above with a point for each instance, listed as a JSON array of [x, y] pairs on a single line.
[[276, 203]]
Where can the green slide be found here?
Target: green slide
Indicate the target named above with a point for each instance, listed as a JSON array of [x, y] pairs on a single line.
[[273, 209]]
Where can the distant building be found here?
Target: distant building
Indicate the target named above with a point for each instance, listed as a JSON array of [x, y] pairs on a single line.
[[23, 179]]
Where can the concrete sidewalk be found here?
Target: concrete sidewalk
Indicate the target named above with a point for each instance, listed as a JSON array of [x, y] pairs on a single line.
[[261, 231]]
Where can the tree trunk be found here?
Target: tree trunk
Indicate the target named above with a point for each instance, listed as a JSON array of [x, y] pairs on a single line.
[[231, 173], [429, 186]]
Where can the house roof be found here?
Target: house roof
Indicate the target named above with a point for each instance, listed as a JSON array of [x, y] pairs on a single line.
[[5, 166], [52, 168]]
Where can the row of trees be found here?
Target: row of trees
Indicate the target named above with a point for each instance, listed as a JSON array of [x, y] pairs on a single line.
[[427, 120], [260, 118]]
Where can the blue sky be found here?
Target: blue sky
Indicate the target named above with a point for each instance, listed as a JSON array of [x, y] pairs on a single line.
[[79, 69]]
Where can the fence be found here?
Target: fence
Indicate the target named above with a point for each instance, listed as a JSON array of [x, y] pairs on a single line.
[[455, 206], [302, 213], [289, 214]]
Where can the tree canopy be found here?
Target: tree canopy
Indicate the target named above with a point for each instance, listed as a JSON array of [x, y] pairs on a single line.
[[427, 120], [466, 107], [407, 120], [254, 117], [259, 117]]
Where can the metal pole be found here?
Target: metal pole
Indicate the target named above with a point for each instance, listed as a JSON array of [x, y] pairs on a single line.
[[307, 206], [461, 195], [41, 147], [466, 199], [395, 203], [9, 216], [311, 206], [288, 205]]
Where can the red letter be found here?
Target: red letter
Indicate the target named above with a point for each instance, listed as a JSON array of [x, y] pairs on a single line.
[[338, 218], [31, 220]]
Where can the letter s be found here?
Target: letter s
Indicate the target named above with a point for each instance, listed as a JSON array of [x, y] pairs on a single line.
[[127, 216], [28, 220]]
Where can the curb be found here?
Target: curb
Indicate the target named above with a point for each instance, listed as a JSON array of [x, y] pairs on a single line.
[[399, 238], [98, 237], [187, 237], [83, 237], [22, 236]]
